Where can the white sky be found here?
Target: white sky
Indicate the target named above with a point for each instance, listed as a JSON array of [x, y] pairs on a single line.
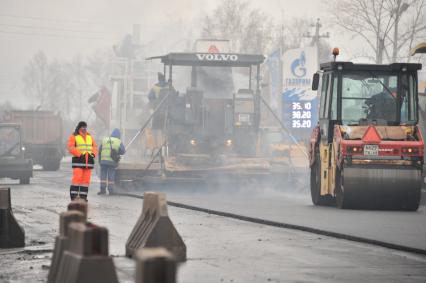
[[63, 29]]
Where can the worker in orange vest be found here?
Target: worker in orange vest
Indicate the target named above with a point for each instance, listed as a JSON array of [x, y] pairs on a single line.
[[83, 149]]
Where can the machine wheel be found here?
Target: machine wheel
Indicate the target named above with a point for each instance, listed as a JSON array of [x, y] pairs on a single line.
[[412, 201], [24, 180], [342, 201], [52, 165], [317, 198]]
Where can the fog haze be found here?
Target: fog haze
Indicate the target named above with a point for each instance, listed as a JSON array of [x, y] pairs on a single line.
[[63, 29]]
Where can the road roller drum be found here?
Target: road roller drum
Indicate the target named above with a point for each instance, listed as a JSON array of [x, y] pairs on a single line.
[[379, 187]]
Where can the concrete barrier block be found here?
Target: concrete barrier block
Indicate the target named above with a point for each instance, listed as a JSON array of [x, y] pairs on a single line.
[[62, 241], [86, 260], [155, 265], [155, 229], [79, 205], [11, 234]]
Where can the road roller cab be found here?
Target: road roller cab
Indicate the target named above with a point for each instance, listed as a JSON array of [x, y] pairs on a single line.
[[367, 150]]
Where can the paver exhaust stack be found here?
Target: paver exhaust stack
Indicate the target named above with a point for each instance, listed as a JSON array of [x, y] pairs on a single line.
[[11, 234], [155, 229]]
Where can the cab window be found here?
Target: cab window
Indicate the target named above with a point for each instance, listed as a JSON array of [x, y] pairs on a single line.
[[333, 113], [324, 87]]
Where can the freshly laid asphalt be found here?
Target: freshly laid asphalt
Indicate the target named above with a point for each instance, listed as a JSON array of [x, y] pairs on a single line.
[[402, 228]]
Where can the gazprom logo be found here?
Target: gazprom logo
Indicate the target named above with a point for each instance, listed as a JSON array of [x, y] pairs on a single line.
[[298, 66], [216, 57]]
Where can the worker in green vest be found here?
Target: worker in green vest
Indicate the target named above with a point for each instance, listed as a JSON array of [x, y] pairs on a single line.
[[110, 151]]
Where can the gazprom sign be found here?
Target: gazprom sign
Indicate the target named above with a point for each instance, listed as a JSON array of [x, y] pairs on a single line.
[[299, 102]]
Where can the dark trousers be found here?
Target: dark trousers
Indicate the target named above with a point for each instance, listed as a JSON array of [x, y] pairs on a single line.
[[107, 177], [78, 191]]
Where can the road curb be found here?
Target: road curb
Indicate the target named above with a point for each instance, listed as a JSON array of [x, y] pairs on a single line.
[[293, 227]]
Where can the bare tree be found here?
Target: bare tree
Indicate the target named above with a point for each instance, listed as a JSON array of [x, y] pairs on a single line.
[[35, 78], [253, 31], [79, 79], [5, 107], [62, 92], [97, 67], [64, 85], [249, 30], [293, 32], [416, 26], [258, 35], [386, 26]]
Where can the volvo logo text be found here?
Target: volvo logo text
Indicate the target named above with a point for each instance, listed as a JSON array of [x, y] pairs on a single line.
[[216, 57]]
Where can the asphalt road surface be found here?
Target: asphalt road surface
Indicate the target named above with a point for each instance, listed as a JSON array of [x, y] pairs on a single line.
[[396, 227], [219, 249]]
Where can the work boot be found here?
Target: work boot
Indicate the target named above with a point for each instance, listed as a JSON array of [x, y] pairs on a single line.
[[111, 190], [102, 193]]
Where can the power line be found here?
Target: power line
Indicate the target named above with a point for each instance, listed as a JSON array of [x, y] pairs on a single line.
[[78, 22], [52, 35], [53, 20], [53, 28]]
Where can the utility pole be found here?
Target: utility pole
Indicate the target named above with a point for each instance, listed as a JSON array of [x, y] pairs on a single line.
[[401, 8], [282, 39], [316, 37]]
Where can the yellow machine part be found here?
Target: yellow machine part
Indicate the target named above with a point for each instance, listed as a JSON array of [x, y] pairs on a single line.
[[420, 48], [328, 168]]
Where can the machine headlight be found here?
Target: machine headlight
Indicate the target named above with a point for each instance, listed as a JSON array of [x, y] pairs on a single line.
[[228, 142], [354, 149], [23, 148], [193, 142], [410, 150]]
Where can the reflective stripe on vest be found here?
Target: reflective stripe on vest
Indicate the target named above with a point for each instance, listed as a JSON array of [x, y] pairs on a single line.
[[82, 165], [84, 146], [106, 148]]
